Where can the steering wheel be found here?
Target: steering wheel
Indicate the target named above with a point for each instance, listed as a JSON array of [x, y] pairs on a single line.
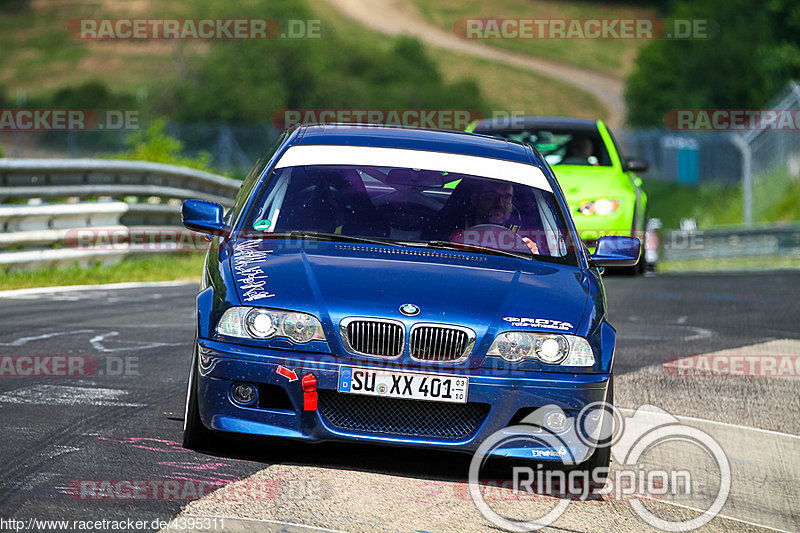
[[521, 245]]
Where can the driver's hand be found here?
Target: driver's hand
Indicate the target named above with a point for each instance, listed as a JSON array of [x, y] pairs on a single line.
[[531, 245]]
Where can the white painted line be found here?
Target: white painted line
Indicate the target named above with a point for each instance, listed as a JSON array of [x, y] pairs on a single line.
[[97, 344], [716, 516], [25, 340], [714, 422], [107, 286], [264, 520], [64, 395]]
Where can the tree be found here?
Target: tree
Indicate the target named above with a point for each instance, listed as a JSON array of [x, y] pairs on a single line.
[[754, 54], [156, 145]]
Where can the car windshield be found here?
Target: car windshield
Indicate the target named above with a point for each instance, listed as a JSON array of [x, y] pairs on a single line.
[[562, 146], [411, 207]]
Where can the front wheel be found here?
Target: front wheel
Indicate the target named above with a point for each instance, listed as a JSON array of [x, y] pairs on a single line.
[[596, 468], [195, 435]]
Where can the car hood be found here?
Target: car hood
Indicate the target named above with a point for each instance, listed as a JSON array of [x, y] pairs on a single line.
[[582, 182], [337, 280]]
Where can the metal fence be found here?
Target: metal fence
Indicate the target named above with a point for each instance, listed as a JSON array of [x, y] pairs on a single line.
[[777, 150], [686, 157], [765, 162], [66, 210], [765, 242], [719, 156]]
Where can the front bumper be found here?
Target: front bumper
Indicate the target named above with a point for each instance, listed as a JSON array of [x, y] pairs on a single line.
[[501, 395]]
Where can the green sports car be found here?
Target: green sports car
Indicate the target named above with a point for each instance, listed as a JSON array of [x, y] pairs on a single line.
[[604, 194]]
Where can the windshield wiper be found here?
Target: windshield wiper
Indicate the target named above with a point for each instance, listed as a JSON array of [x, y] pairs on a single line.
[[447, 245], [318, 235]]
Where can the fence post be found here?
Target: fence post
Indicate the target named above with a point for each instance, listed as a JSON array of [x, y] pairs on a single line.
[[747, 178]]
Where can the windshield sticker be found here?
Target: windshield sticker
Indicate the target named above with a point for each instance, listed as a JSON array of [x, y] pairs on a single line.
[[263, 224], [248, 263], [538, 323]]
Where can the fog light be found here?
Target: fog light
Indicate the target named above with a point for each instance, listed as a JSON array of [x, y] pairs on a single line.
[[556, 422], [244, 393]]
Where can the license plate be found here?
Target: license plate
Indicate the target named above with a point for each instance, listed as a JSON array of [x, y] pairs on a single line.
[[434, 387]]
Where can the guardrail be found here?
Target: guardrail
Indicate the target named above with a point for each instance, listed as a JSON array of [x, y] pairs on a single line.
[[122, 201], [87, 194], [781, 241]]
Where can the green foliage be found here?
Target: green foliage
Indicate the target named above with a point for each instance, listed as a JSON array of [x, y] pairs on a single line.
[[89, 95], [250, 80], [155, 144], [9, 5], [782, 61], [776, 198], [159, 267], [2, 154], [756, 51], [93, 95]]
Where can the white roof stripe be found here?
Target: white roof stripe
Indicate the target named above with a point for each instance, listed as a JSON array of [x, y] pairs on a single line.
[[317, 154]]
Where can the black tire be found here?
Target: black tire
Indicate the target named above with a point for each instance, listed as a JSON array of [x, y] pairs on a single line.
[[196, 436], [601, 458]]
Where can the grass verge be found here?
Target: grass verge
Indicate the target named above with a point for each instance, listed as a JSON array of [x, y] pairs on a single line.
[[165, 267], [729, 265], [610, 56]]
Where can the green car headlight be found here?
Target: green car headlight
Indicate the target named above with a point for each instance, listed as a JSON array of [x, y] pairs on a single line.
[[260, 323], [601, 206], [549, 348]]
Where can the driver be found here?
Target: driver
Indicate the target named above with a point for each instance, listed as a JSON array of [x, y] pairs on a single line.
[[493, 203], [579, 152]]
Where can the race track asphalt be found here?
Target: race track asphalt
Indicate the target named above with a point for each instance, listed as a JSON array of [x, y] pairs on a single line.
[[122, 421]]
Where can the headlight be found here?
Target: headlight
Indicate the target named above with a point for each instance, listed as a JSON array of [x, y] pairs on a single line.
[[513, 346], [601, 206], [257, 323], [260, 323], [552, 349]]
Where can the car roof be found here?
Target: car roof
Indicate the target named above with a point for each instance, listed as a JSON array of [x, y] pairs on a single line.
[[523, 123], [454, 142]]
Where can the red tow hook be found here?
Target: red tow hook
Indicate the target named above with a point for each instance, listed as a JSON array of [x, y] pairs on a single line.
[[309, 384]]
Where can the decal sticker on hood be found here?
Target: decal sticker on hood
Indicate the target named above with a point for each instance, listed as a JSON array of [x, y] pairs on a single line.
[[538, 323], [248, 262]]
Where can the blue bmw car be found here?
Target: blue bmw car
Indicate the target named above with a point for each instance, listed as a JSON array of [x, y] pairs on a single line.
[[398, 286]]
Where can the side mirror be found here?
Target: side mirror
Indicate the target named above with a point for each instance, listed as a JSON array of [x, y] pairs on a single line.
[[636, 165], [616, 251], [205, 217]]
